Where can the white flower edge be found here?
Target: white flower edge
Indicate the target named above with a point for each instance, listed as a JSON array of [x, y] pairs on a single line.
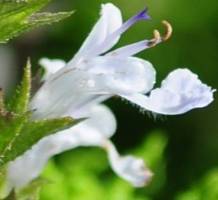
[[51, 66], [179, 93]]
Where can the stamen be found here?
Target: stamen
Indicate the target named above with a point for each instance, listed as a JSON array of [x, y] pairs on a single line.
[[157, 39], [157, 36], [169, 30], [137, 47]]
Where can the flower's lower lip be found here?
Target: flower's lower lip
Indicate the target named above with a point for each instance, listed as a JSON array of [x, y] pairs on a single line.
[[87, 101]]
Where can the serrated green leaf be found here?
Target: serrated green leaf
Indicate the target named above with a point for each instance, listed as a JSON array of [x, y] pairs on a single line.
[[10, 7], [39, 19], [19, 103], [10, 127], [32, 132], [20, 16]]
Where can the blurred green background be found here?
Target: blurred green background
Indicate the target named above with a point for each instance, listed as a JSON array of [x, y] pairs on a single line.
[[181, 150]]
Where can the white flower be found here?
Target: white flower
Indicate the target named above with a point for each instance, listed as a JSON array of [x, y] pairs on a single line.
[[78, 88], [91, 77], [88, 73]]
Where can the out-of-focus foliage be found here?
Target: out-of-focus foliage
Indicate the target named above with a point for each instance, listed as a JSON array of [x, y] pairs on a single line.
[[84, 174], [17, 16], [205, 188]]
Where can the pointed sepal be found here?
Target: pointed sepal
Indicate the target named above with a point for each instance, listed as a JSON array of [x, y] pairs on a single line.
[[19, 102]]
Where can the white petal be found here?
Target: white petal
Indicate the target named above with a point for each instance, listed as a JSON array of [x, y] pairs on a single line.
[[110, 20], [100, 126], [130, 168], [51, 66], [96, 80], [123, 75], [180, 92], [68, 90]]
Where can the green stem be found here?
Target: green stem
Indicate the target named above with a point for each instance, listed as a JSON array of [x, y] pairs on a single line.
[[2, 107]]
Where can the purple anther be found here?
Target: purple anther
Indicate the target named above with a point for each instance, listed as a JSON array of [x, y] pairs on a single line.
[[143, 15]]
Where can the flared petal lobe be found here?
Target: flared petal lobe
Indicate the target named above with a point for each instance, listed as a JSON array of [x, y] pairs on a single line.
[[180, 92], [130, 168]]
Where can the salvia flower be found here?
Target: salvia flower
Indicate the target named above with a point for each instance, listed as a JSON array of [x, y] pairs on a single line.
[[78, 88]]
